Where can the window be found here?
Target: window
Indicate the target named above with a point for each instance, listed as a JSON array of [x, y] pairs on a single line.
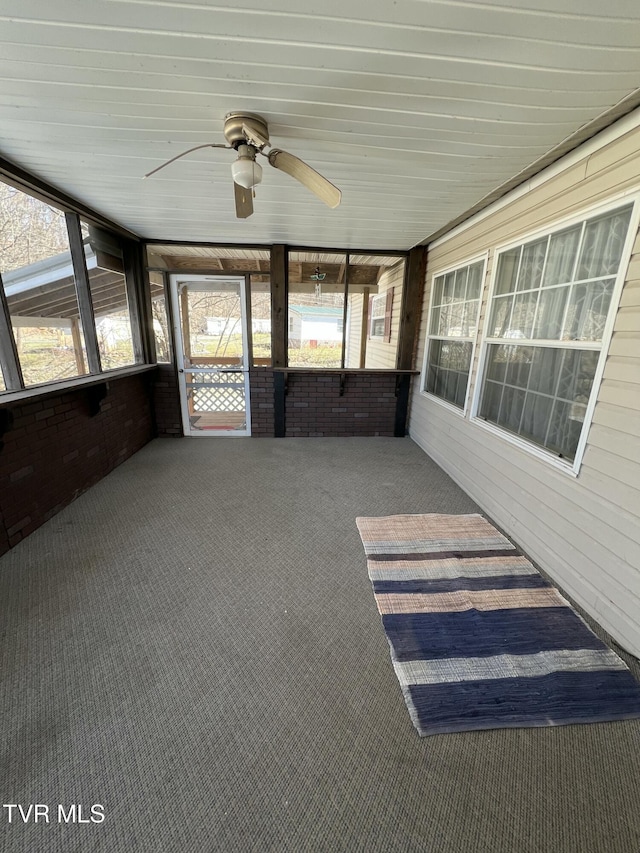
[[551, 301], [455, 303], [159, 317], [260, 291], [378, 311], [39, 285], [317, 282], [109, 296]]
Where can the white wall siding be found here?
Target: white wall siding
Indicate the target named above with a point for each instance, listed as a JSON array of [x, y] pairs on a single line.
[[583, 530], [382, 354]]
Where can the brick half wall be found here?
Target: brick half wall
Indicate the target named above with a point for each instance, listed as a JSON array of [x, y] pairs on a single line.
[[166, 401], [314, 405], [57, 447]]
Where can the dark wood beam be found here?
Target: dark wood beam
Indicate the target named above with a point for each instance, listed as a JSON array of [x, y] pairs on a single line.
[[412, 292], [279, 299]]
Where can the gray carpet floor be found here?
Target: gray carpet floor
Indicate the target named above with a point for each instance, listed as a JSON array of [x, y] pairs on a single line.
[[194, 645]]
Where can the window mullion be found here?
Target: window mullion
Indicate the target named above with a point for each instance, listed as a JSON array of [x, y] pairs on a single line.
[[85, 304], [11, 370]]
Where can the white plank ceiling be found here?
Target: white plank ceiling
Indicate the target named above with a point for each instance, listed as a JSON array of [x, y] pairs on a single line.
[[415, 109]]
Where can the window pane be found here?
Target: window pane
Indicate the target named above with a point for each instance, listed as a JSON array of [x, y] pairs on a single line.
[[434, 328], [550, 314], [497, 359], [535, 417], [603, 242], [448, 370], [500, 316], [519, 360], [39, 285], [110, 302], [564, 430], [159, 317], [460, 286], [448, 361], [588, 310], [438, 285], [491, 399], [261, 320], [474, 284], [374, 282], [545, 369], [3, 387], [511, 408], [447, 287], [469, 318], [507, 271], [544, 396], [561, 256], [576, 375], [531, 265], [522, 316], [317, 283]]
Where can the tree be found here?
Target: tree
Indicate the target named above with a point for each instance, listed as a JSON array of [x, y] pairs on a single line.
[[30, 230]]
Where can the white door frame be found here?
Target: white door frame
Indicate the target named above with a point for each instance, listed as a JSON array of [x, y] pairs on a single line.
[[176, 279]]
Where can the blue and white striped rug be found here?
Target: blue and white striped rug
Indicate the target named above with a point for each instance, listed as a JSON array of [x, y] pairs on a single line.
[[479, 639]]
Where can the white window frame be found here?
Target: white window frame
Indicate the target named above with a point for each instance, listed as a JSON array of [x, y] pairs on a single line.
[[378, 312], [462, 412], [631, 196]]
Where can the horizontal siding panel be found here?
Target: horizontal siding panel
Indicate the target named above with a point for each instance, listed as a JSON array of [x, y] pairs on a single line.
[[628, 320], [624, 394], [617, 468], [625, 344], [631, 293], [434, 426], [625, 445], [550, 543], [622, 369], [621, 150], [597, 567], [622, 420]]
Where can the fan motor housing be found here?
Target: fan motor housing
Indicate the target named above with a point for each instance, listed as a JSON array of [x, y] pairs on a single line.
[[233, 127]]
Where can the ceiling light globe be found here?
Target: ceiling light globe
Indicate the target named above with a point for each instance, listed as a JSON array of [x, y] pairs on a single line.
[[246, 172]]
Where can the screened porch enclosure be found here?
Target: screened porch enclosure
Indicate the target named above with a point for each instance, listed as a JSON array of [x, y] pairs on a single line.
[[249, 360]]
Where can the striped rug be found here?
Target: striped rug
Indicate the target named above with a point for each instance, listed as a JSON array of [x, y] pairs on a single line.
[[479, 639]]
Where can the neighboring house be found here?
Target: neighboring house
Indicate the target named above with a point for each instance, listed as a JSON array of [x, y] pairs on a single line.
[[223, 325], [230, 326], [315, 323], [260, 326], [113, 331], [530, 353]]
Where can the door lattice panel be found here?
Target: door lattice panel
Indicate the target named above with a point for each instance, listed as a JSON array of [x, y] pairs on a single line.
[[216, 392]]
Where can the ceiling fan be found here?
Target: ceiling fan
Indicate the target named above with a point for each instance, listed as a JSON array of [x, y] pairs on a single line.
[[248, 135]]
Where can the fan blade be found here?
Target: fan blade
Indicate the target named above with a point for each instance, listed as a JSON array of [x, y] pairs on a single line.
[[254, 137], [188, 151], [244, 201], [307, 176]]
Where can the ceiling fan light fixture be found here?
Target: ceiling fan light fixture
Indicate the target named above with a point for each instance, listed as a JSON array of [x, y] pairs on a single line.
[[246, 172]]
